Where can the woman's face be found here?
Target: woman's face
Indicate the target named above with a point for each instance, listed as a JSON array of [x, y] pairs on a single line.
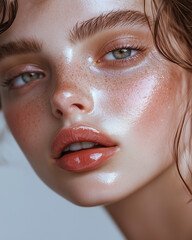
[[88, 71]]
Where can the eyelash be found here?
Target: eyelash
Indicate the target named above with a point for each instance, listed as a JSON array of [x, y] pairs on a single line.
[[134, 47], [7, 82]]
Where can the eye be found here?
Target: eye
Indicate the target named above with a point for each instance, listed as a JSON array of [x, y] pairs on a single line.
[[26, 78], [120, 53], [23, 79]]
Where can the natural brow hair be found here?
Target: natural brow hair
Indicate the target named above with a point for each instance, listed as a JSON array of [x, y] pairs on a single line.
[[107, 21]]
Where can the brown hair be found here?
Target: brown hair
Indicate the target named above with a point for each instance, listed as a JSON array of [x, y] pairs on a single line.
[[173, 30], [8, 13], [172, 33]]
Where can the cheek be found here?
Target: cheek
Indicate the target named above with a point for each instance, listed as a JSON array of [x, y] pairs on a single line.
[[25, 122], [158, 112], [143, 100]]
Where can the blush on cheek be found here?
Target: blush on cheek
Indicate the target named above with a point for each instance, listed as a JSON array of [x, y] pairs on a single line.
[[138, 97], [26, 123], [161, 102], [160, 116], [144, 103]]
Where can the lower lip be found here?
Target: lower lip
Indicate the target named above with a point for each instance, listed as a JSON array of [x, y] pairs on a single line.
[[85, 160]]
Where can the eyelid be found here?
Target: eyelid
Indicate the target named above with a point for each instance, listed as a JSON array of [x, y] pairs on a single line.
[[125, 63], [118, 47], [120, 41], [12, 85], [110, 56], [17, 71], [21, 69], [129, 42]]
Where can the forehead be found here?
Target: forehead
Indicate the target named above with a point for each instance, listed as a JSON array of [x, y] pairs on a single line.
[[130, 3], [78, 8], [73, 9], [38, 17]]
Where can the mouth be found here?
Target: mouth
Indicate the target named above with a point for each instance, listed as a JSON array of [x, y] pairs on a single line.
[[81, 148]]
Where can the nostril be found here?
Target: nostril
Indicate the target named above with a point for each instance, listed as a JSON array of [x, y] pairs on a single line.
[[80, 106], [59, 112]]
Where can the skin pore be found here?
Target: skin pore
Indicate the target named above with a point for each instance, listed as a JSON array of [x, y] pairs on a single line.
[[80, 78]]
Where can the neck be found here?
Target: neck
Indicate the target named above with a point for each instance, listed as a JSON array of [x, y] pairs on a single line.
[[160, 210]]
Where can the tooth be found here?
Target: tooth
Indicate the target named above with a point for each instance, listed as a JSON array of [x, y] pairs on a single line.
[[75, 147], [79, 145], [87, 145]]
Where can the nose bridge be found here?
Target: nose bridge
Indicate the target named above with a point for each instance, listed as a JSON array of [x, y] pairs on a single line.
[[70, 94]]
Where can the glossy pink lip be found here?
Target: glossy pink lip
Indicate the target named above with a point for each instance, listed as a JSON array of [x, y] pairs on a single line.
[[85, 159]]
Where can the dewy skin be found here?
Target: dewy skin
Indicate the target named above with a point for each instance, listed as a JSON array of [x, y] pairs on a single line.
[[95, 108]]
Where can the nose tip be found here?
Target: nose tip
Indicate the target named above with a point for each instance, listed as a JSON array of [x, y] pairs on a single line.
[[67, 102], [59, 111]]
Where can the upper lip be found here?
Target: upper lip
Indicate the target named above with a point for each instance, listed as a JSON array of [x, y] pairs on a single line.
[[79, 133]]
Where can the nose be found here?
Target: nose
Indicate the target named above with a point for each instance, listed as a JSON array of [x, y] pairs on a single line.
[[65, 101]]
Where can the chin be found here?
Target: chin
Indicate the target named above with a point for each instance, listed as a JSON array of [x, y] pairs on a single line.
[[89, 193], [91, 198]]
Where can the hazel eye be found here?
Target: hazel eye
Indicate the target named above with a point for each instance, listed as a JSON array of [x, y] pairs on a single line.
[[120, 53], [26, 78]]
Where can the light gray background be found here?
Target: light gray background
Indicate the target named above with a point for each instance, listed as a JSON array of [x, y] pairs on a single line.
[[31, 211]]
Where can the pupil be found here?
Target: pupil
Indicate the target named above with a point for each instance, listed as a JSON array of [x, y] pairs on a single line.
[[121, 53], [27, 77]]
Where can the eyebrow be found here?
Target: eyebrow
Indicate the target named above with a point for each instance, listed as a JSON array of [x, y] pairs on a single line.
[[108, 21], [22, 46]]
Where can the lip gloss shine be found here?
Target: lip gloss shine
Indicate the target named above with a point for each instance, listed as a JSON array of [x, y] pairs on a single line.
[[85, 159]]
